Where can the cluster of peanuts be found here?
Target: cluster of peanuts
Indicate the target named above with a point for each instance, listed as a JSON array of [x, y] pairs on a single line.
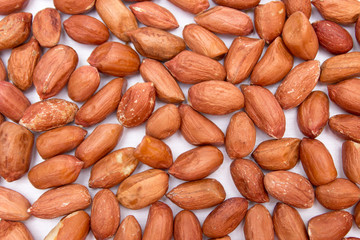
[[230, 93]]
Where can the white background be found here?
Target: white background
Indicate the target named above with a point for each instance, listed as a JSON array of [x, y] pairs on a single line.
[[132, 137]]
